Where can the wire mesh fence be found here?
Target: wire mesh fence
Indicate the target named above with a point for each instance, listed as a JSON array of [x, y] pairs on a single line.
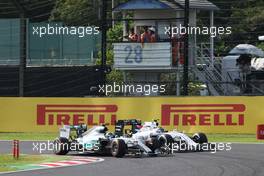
[[47, 50], [64, 65]]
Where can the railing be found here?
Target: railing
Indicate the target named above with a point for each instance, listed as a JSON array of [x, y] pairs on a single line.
[[210, 70], [223, 82], [9, 62], [60, 62]]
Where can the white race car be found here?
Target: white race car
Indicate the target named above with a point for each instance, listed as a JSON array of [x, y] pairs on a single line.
[[98, 140], [156, 138], [148, 139]]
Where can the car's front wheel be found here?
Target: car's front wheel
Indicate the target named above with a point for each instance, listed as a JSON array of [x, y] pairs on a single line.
[[118, 148], [166, 143], [61, 146], [200, 138]]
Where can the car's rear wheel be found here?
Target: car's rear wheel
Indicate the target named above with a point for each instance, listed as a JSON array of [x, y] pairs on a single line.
[[61, 146], [118, 148], [200, 138]]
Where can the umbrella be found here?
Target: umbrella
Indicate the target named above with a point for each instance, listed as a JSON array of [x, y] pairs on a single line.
[[247, 49]]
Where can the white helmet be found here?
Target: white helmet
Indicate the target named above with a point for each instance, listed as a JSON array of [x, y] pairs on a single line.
[[152, 29]]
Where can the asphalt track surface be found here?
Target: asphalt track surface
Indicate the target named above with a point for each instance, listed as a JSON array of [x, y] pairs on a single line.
[[242, 160]]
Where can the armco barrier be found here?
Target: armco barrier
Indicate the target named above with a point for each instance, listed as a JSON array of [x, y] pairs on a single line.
[[190, 114]]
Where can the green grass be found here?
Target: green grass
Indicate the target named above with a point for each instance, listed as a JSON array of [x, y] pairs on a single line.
[[8, 163], [241, 138], [28, 136], [244, 138]]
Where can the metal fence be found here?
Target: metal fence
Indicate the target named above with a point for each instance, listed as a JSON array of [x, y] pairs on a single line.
[[47, 50]]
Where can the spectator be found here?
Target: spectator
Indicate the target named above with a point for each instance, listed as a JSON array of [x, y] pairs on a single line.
[[145, 37], [133, 37], [152, 35]]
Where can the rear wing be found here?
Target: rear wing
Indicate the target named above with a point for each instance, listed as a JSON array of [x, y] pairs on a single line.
[[65, 131], [72, 131]]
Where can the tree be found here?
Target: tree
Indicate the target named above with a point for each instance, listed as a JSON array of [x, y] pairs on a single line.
[[251, 16], [246, 19], [86, 12], [76, 12], [113, 34]]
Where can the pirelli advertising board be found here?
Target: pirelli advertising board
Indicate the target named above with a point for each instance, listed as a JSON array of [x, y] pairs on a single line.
[[192, 114]]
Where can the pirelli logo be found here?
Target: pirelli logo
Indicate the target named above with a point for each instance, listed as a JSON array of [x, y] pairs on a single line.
[[203, 114], [171, 114], [76, 114]]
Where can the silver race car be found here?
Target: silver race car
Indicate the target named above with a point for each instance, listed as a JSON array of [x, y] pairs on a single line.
[[98, 140], [156, 138], [138, 140]]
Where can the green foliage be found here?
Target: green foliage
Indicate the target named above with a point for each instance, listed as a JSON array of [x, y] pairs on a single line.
[[194, 88], [261, 45], [113, 34], [114, 75], [252, 13], [76, 12], [84, 12], [246, 19], [170, 81]]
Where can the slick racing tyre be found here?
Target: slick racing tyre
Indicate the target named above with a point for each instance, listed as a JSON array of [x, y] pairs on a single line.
[[200, 138], [165, 140], [118, 148], [61, 146], [154, 144], [163, 144], [160, 141], [170, 140]]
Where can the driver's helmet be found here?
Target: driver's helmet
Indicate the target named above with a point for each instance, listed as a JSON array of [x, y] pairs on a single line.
[[156, 122], [84, 127], [105, 128], [150, 125], [102, 129]]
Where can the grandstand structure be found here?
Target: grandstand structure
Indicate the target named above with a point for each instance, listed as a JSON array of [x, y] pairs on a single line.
[[170, 53], [65, 66], [145, 63], [48, 66]]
